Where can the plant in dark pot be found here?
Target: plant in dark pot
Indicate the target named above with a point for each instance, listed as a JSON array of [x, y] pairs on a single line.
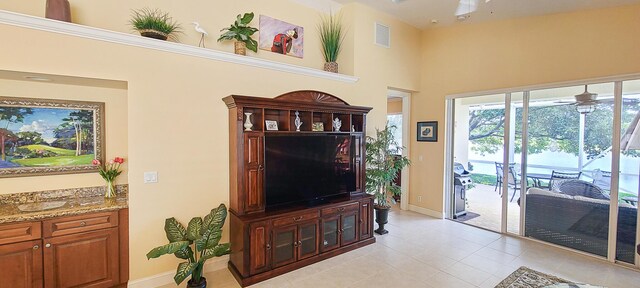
[[153, 23], [241, 32], [199, 242], [384, 162]]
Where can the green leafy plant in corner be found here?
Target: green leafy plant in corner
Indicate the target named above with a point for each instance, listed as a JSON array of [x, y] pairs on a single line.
[[197, 243], [332, 35], [241, 31], [147, 19], [383, 164]]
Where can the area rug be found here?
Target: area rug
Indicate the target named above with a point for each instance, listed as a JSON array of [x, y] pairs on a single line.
[[529, 278], [467, 217]]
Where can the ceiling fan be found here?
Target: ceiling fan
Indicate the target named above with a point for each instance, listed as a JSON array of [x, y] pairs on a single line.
[[586, 101]]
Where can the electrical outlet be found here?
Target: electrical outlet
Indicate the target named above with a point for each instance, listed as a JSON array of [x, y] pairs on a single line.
[[150, 177], [419, 199], [420, 158]]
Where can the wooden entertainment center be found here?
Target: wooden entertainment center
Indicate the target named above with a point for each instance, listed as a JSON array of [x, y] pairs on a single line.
[[265, 243]]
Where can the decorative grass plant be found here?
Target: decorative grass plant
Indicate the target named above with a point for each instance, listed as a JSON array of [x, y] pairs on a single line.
[[154, 23], [332, 35]]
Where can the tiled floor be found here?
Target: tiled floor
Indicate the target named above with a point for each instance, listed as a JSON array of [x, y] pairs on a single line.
[[425, 252], [485, 201]]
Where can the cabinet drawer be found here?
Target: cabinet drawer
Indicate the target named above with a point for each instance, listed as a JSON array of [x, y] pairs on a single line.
[[340, 209], [23, 231], [295, 219], [80, 223]]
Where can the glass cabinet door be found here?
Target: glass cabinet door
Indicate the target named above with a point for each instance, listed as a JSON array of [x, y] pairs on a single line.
[[284, 246], [307, 236], [349, 228], [330, 233]]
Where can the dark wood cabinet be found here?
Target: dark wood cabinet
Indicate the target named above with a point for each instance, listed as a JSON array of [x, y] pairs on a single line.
[[21, 265], [266, 243]]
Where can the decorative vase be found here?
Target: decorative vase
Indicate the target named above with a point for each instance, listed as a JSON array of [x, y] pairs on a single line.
[[240, 48], [201, 284], [382, 218], [149, 33], [247, 122], [331, 67], [58, 10], [110, 190]]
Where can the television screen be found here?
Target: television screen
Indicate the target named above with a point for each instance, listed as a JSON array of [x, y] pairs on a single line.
[[308, 168]]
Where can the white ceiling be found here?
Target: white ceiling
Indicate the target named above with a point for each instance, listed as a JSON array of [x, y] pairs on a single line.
[[419, 13]]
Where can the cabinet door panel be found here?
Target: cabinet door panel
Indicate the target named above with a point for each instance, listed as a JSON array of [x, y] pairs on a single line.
[[349, 228], [358, 163], [366, 222], [88, 259], [330, 229], [260, 247], [21, 265], [308, 240], [284, 246], [254, 173]]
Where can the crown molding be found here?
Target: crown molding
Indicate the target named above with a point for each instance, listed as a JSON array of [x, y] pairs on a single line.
[[54, 26]]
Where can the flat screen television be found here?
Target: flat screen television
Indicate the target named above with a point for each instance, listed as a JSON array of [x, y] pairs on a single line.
[[308, 169]]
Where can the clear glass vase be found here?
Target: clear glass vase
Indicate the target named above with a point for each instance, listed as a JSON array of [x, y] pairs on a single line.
[[110, 189]]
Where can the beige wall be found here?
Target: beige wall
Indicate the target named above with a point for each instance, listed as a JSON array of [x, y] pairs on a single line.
[[512, 53], [177, 123]]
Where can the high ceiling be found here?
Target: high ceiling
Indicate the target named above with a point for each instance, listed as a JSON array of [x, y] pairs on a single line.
[[420, 13]]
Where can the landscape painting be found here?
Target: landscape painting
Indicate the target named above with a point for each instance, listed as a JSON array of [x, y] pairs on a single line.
[[281, 37], [49, 136]]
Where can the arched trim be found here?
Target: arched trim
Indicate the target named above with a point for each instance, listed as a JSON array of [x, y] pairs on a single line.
[[311, 96]]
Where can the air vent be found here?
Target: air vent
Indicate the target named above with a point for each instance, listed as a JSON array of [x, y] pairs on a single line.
[[383, 35]]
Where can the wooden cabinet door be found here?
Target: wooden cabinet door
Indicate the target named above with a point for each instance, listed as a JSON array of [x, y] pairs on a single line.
[[330, 233], [366, 218], [21, 265], [349, 228], [358, 163], [87, 259], [260, 247], [254, 172], [308, 239], [285, 244]]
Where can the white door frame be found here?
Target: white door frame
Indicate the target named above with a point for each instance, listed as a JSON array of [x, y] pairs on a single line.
[[406, 141]]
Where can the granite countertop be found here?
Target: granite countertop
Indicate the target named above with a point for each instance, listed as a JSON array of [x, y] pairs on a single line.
[[78, 201]]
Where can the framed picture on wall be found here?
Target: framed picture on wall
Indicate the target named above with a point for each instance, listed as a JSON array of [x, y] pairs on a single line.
[[428, 131], [44, 137]]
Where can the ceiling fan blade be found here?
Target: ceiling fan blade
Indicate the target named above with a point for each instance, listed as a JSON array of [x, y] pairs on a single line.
[[466, 7]]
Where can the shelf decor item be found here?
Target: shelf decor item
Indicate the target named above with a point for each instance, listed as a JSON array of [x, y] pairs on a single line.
[[271, 125], [196, 244], [109, 172], [241, 32], [153, 23], [382, 168], [337, 124], [428, 131], [332, 35], [247, 123], [58, 10], [281, 37], [297, 122], [317, 127]]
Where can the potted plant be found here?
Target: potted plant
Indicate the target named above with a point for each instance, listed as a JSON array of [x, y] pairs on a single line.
[[241, 32], [154, 23], [196, 244], [331, 37], [383, 165]]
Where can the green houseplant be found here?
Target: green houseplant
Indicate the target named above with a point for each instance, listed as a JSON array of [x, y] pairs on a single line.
[[154, 23], [241, 32], [332, 35], [384, 162], [196, 244]]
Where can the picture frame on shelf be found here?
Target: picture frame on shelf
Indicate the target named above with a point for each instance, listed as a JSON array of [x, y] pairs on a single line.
[[317, 127], [271, 125], [50, 136], [427, 131]]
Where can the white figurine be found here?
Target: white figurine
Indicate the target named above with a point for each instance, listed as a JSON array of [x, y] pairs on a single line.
[[297, 122], [337, 124]]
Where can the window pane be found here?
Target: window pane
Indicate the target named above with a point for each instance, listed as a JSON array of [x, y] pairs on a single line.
[[396, 120]]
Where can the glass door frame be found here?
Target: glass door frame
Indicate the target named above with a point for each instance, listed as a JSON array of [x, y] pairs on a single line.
[[615, 161]]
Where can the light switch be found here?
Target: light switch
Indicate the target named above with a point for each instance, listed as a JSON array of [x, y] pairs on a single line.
[[151, 177]]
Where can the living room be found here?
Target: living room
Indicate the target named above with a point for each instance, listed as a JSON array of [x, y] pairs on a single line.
[[146, 86]]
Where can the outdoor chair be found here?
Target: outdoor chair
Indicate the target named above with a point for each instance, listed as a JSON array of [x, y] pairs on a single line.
[[555, 176], [500, 176], [602, 179], [575, 187], [513, 181]]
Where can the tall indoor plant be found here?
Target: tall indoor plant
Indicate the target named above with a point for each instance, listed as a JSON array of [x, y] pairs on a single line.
[[196, 244], [332, 35], [384, 162], [241, 32]]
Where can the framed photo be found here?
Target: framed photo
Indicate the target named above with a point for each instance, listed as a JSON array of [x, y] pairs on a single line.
[[317, 127], [44, 137], [428, 131], [281, 37], [271, 125]]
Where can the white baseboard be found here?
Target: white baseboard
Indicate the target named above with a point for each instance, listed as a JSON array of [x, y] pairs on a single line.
[[426, 211], [167, 277]]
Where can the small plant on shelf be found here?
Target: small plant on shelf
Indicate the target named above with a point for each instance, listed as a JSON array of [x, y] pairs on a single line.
[[154, 23], [241, 32], [199, 242], [332, 35]]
